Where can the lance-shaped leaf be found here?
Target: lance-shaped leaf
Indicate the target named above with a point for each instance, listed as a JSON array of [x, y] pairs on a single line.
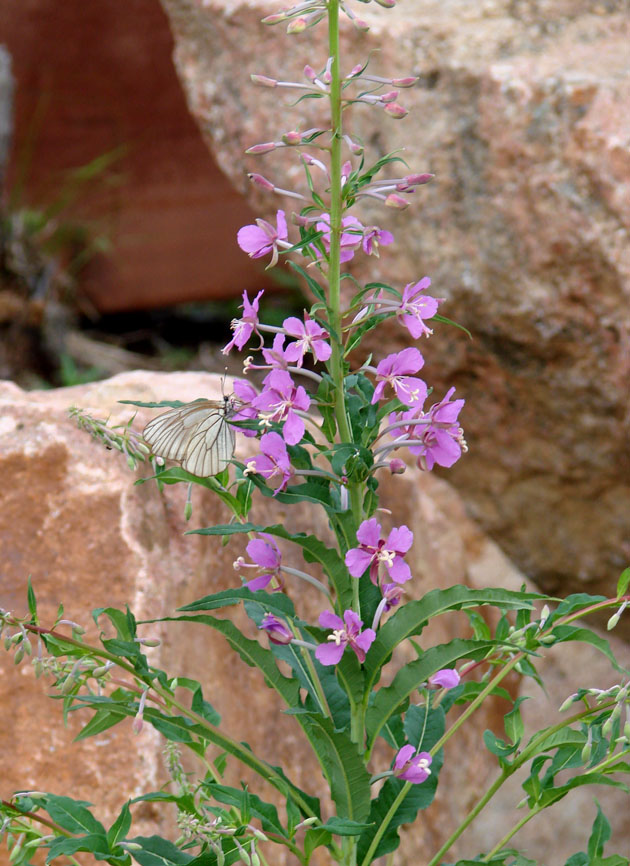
[[343, 768], [276, 602], [412, 617], [409, 678]]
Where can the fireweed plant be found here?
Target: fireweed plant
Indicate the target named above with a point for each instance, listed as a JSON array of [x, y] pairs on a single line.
[[320, 430]]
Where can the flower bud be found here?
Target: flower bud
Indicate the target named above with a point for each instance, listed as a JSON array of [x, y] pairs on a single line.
[[19, 654], [395, 110], [261, 181], [607, 727], [386, 4], [258, 149], [298, 25], [292, 138], [567, 703], [390, 96], [397, 466], [361, 25], [275, 18], [613, 621], [404, 82], [97, 673], [264, 81], [396, 201], [188, 510], [587, 751]]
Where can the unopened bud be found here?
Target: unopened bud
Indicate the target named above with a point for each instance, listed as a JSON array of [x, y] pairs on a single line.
[[131, 462], [404, 82], [566, 704], [67, 685], [131, 846], [263, 81], [292, 138], [356, 70], [97, 673], [390, 96], [418, 179], [397, 466], [275, 18], [19, 654], [188, 510], [386, 4], [258, 149], [396, 201], [587, 751], [259, 834], [361, 25], [393, 109], [261, 181], [607, 727], [149, 641], [548, 639], [298, 25]]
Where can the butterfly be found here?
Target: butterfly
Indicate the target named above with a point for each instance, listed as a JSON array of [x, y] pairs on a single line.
[[197, 435]]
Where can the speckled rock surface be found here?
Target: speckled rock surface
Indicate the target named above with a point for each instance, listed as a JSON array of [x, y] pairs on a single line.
[[520, 113], [71, 518]]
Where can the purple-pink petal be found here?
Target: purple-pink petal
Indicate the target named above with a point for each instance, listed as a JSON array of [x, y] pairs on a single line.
[[447, 678], [369, 532], [263, 554], [293, 429], [364, 640], [260, 582], [330, 653], [399, 571], [357, 560], [399, 539], [328, 619], [254, 241], [404, 755]]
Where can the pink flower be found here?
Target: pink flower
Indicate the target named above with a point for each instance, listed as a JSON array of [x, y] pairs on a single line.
[[374, 551], [309, 336], [346, 632], [277, 631], [447, 678], [394, 369], [245, 326], [245, 393], [374, 237], [392, 593], [277, 355], [273, 461], [415, 307], [349, 240], [436, 433], [267, 560], [260, 239], [411, 767], [280, 400]]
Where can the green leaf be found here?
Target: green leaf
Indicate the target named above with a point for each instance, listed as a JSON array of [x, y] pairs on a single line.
[[514, 727], [623, 583], [73, 815], [313, 285], [155, 851], [565, 633], [32, 602], [266, 813], [96, 844], [344, 827], [101, 721], [394, 697], [120, 827], [600, 834], [412, 617], [314, 838], [275, 602], [343, 768], [312, 548]]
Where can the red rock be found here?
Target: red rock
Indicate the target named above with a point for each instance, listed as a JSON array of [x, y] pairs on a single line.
[[94, 77], [71, 518]]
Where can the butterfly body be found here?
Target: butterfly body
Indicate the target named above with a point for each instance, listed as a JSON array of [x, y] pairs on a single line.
[[197, 435]]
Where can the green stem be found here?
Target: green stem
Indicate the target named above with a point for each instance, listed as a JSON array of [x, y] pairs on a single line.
[[531, 814], [470, 817], [334, 266]]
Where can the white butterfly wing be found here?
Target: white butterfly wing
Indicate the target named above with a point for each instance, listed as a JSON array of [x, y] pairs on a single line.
[[198, 436]]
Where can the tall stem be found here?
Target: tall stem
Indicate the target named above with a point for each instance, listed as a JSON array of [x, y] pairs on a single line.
[[334, 272]]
